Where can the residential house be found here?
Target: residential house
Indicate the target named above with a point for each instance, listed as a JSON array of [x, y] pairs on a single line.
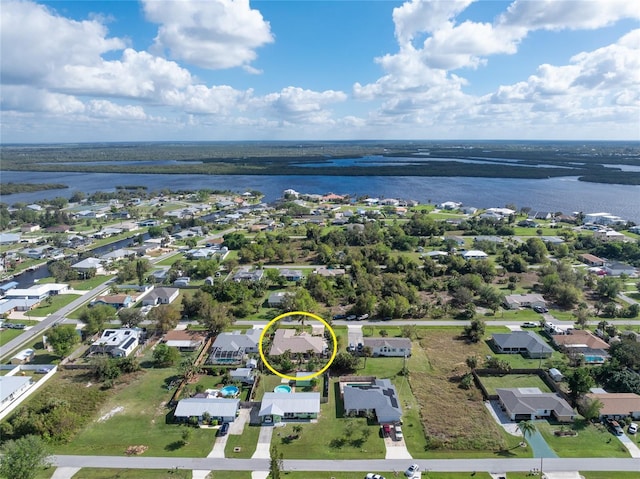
[[524, 300], [244, 375], [617, 405], [525, 404], [591, 260], [116, 300], [119, 343], [279, 407], [38, 252], [527, 343], [248, 275], [617, 269], [330, 272], [380, 397], [219, 409], [276, 299], [291, 274], [287, 340], [609, 236], [233, 347], [389, 347], [87, 265], [116, 255], [37, 291], [603, 219], [474, 254], [541, 215], [182, 281], [12, 387], [488, 238], [24, 356], [29, 228], [184, 339], [9, 238], [450, 205], [581, 341], [160, 296]]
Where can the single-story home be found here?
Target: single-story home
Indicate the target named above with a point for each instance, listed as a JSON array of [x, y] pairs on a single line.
[[184, 339], [291, 274], [244, 375], [247, 275], [330, 272], [288, 340], [475, 254], [279, 407], [182, 281], [160, 296], [617, 269], [118, 343], [389, 347], [380, 398], [524, 300], [524, 404], [617, 405], [116, 300], [88, 264], [276, 299], [527, 343], [37, 291], [608, 236], [591, 260], [222, 410], [229, 348]]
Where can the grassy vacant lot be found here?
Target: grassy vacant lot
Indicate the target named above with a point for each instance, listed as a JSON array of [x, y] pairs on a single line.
[[593, 440], [455, 420], [333, 436], [91, 473], [514, 381], [142, 421], [57, 302], [91, 283]]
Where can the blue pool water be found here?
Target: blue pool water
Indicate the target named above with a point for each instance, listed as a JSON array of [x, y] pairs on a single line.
[[282, 389], [229, 391], [594, 359]]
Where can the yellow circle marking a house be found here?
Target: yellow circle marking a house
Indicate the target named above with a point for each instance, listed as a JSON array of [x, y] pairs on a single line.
[[298, 378]]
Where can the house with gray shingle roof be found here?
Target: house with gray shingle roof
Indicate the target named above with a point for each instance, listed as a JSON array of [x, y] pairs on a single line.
[[230, 348], [527, 343], [278, 407], [380, 397], [525, 404]]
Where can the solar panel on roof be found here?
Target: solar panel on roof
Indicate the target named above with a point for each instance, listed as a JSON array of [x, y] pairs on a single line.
[[129, 343]]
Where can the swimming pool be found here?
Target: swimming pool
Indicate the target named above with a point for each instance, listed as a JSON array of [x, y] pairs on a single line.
[[594, 359], [282, 389], [229, 391]]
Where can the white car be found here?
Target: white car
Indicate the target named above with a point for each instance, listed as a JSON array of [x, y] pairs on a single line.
[[411, 470], [633, 428], [398, 433], [371, 475]]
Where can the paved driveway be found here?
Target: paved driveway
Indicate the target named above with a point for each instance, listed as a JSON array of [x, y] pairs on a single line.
[[264, 443], [354, 332], [396, 449], [634, 450], [501, 418]]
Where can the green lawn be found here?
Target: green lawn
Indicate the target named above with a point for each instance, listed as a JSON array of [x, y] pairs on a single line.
[[333, 436], [57, 302], [514, 381], [266, 385], [246, 441], [170, 260], [8, 334], [94, 473], [593, 440], [90, 283], [142, 422]]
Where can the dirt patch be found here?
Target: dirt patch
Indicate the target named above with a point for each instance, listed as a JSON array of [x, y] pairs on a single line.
[[136, 450], [453, 418], [110, 414]]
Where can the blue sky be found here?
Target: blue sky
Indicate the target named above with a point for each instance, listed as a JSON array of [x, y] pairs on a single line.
[[289, 70]]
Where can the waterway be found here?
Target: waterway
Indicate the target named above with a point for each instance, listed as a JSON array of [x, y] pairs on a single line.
[[565, 194]]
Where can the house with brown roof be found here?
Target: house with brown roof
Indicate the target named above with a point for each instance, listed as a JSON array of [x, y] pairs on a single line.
[[617, 405], [580, 341], [288, 340], [591, 260], [184, 340]]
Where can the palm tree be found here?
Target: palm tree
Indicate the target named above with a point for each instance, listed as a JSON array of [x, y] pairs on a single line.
[[527, 428]]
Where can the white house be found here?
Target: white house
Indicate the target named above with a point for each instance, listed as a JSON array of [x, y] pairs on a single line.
[[160, 296], [119, 343], [475, 254], [88, 264], [222, 410], [389, 347]]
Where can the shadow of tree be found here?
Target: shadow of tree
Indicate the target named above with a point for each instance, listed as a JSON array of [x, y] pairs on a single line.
[[174, 446]]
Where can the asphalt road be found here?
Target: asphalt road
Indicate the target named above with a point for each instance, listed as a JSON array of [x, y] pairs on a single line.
[[356, 465], [439, 323]]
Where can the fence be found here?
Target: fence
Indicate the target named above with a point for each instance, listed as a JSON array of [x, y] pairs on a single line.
[[541, 373]]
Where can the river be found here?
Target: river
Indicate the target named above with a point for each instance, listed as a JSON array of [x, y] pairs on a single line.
[[565, 194]]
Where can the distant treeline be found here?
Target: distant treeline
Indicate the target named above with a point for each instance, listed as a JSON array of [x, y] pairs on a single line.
[[11, 188], [591, 161]]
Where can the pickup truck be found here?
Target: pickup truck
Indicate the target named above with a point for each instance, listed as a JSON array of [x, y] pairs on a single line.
[[615, 427]]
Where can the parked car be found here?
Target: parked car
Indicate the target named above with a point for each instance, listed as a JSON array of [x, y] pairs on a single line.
[[540, 309], [351, 317], [398, 433], [386, 430], [387, 318], [411, 470], [340, 316], [362, 317], [371, 475], [351, 348], [224, 429], [43, 370], [529, 324], [615, 427], [633, 428]]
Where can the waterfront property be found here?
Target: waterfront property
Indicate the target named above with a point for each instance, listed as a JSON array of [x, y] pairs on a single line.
[[524, 404], [278, 407]]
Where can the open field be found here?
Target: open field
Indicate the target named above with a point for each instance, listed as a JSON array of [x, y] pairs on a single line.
[[514, 381], [455, 420], [142, 421]]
